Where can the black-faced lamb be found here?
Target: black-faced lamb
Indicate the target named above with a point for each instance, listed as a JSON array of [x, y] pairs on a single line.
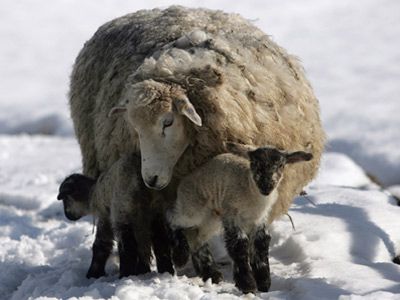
[[126, 211], [237, 193], [231, 79]]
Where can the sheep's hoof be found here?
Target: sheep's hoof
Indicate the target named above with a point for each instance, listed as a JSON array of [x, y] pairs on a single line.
[[263, 280], [126, 274], [95, 273], [141, 268], [180, 257], [126, 270], [246, 283], [165, 265], [396, 260], [215, 275], [264, 286]]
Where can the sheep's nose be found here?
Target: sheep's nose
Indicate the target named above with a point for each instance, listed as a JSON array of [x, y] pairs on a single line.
[[152, 181]]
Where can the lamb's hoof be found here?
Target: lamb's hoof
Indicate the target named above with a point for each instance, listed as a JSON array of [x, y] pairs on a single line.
[[180, 258], [165, 266], [126, 274], [263, 287], [215, 275], [246, 283], [263, 280], [141, 268], [95, 273], [127, 270], [396, 260]]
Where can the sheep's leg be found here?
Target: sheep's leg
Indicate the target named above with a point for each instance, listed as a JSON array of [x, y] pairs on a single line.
[[180, 247], [102, 248], [204, 264], [260, 258], [396, 260], [143, 264], [184, 225], [140, 234], [197, 225], [238, 246], [143, 249], [142, 237], [127, 250], [78, 187], [162, 245]]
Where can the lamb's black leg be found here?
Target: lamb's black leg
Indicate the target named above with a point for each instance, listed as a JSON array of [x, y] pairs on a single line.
[[143, 255], [102, 248], [260, 259], [237, 245], [143, 265], [204, 264], [127, 249], [180, 247], [161, 241]]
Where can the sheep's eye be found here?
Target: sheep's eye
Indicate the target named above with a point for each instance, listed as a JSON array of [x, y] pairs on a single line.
[[168, 122]]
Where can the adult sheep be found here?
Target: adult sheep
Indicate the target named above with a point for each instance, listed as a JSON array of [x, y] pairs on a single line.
[[186, 81]]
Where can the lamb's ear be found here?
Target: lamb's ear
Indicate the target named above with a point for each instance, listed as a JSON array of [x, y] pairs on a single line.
[[298, 156], [186, 108], [239, 149]]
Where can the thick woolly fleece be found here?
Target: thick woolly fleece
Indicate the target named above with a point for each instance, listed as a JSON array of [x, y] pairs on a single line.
[[244, 86]]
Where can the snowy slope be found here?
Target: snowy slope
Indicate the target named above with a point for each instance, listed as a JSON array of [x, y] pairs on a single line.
[[347, 229]]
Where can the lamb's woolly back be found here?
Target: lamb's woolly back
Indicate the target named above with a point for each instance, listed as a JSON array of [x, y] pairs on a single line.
[[244, 86], [242, 183]]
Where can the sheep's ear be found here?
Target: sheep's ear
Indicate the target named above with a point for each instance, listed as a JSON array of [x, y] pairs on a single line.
[[298, 156], [239, 149], [186, 108], [120, 108], [117, 110]]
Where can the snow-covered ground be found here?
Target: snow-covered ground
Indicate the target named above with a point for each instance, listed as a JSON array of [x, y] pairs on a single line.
[[345, 237], [342, 245]]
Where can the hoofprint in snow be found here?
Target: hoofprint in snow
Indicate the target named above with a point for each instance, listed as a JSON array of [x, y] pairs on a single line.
[[346, 235]]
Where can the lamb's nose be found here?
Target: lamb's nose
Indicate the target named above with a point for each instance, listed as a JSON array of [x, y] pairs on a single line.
[[152, 181]]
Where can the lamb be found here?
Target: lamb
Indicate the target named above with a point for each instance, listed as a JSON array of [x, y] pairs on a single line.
[[239, 193], [134, 216], [177, 84]]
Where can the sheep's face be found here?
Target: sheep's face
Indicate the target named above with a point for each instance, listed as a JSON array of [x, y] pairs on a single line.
[[159, 113], [267, 165]]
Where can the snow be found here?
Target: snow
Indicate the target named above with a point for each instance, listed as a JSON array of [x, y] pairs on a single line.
[[346, 227], [345, 237]]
